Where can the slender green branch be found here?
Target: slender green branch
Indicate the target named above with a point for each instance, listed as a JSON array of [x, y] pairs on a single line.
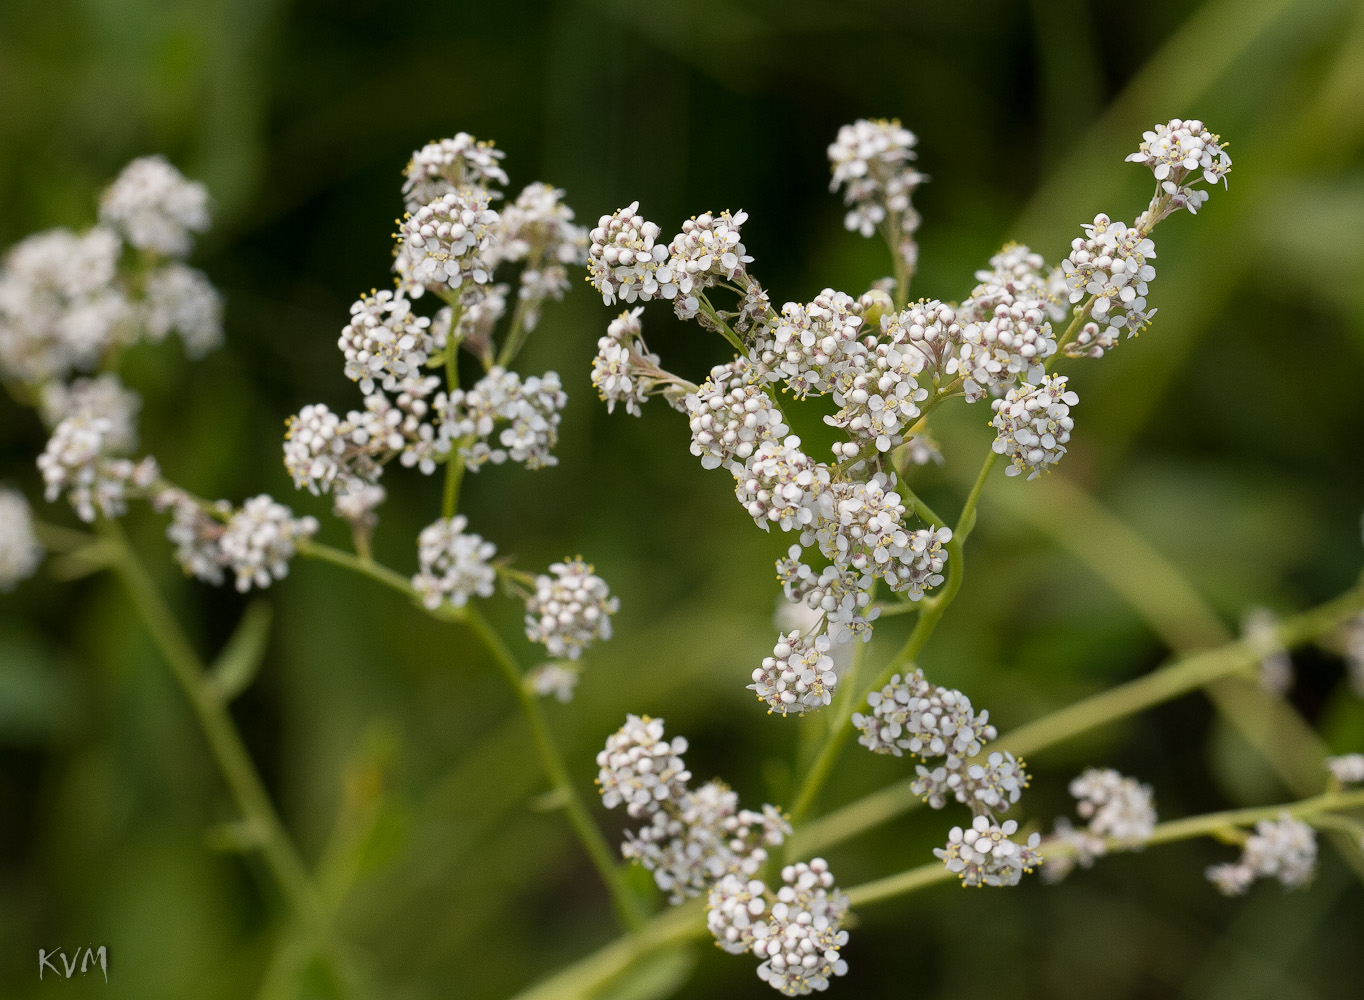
[[627, 904], [721, 326], [593, 842], [225, 743], [516, 335]]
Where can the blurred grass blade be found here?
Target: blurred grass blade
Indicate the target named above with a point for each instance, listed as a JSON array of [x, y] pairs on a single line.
[[237, 664]]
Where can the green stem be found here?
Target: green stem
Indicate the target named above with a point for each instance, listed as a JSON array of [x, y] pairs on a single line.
[[933, 610], [454, 465], [366, 567], [627, 904], [225, 743], [516, 335], [709, 312]]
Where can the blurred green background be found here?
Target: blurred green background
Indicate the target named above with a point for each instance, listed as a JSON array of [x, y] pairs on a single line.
[[1229, 437]]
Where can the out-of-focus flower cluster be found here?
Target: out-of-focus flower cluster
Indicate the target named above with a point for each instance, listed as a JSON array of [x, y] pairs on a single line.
[[1120, 814], [1283, 849]]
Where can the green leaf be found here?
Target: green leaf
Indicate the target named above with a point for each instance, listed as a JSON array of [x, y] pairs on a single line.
[[241, 658]]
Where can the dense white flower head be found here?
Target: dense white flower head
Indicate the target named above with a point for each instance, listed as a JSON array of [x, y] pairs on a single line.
[[801, 938], [799, 676], [811, 344], [625, 260], [260, 539], [984, 854], [447, 242], [455, 564], [871, 162], [624, 370], [1033, 424], [539, 229], [1347, 769], [709, 249], [910, 714], [1181, 153], [1260, 627], [1285, 849], [641, 769], [20, 551], [730, 415], [102, 396], [385, 341], [554, 679], [930, 328], [570, 609], [356, 501], [442, 167], [181, 299], [60, 308], [780, 484], [1112, 264], [320, 448], [76, 462], [1010, 344], [879, 396], [155, 207], [196, 531], [992, 786], [734, 906], [531, 410], [1117, 808]]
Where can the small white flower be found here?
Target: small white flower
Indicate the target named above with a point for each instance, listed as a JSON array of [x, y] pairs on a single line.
[[1111, 263], [531, 408], [103, 396], [910, 714], [1182, 153], [1118, 808], [440, 168], [871, 163], [196, 531], [625, 260], [641, 769], [810, 345], [780, 484], [557, 679], [730, 415], [182, 299], [799, 676], [155, 207], [1285, 849], [1348, 769], [447, 242], [384, 342], [984, 854], [76, 462], [20, 550], [802, 935], [708, 250]]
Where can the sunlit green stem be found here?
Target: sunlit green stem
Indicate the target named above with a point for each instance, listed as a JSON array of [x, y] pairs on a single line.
[[720, 325]]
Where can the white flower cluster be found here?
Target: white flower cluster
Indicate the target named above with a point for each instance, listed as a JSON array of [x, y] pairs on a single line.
[[557, 679], [1285, 849], [538, 228], [730, 414], [103, 396], [448, 242], [1006, 333], [1033, 424], [798, 676], [1110, 265], [707, 251], [984, 854], [1181, 153], [449, 165], [1121, 816], [625, 260], [570, 609], [385, 342], [625, 370], [1260, 628], [530, 408], [20, 550], [66, 302], [455, 564], [77, 462], [871, 162], [692, 837], [1347, 769], [796, 931], [259, 539]]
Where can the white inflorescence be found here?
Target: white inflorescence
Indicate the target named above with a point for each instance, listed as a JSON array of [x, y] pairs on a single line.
[[441, 168], [103, 396], [801, 938], [196, 532], [455, 564], [385, 341], [447, 242], [531, 408], [1180, 154], [570, 610], [1120, 814], [625, 260], [539, 229], [1285, 849], [871, 162], [20, 551], [259, 540], [155, 207], [182, 299], [640, 768], [730, 415], [810, 344], [1111, 264], [798, 676], [76, 462], [1033, 424], [780, 484], [708, 250], [1347, 769], [624, 371], [557, 679], [983, 854]]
